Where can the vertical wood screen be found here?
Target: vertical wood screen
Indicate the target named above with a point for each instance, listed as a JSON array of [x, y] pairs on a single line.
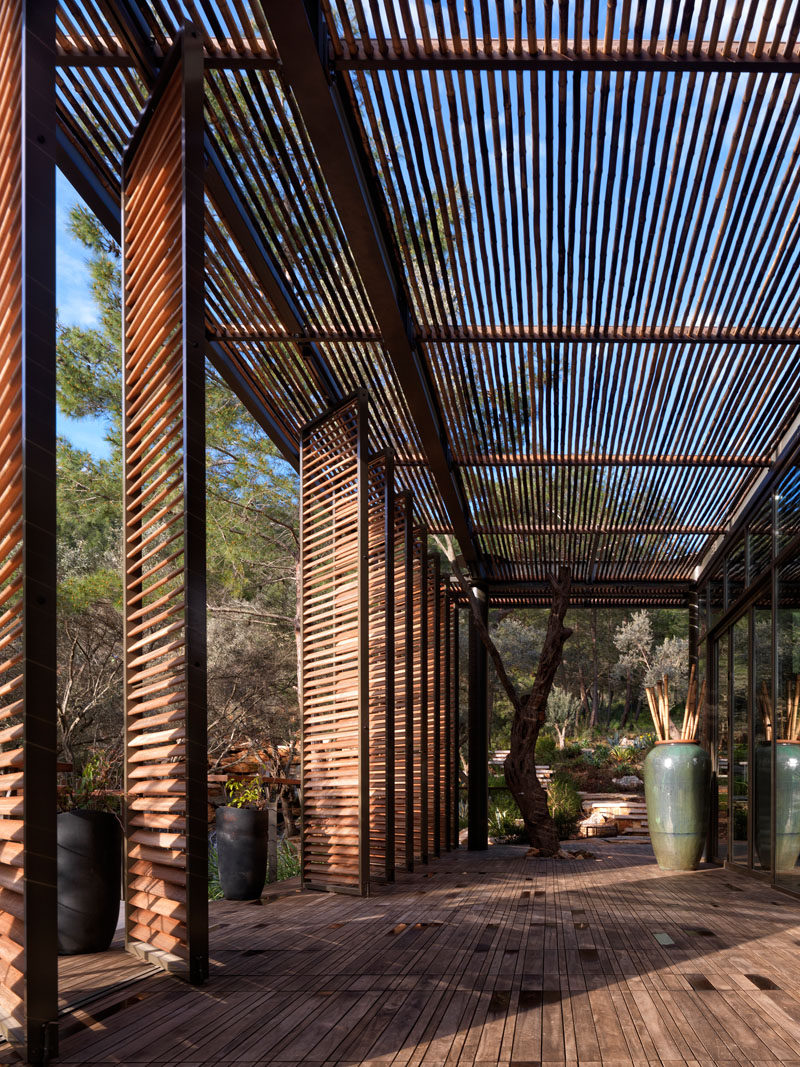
[[335, 658], [381, 668], [434, 709], [420, 752], [28, 976], [404, 680], [164, 455]]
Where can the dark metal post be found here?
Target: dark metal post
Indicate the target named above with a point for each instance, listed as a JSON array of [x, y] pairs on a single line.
[[272, 840], [39, 524], [478, 831], [195, 505], [447, 718]]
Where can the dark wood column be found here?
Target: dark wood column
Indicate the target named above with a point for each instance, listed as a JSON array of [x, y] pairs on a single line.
[[478, 740]]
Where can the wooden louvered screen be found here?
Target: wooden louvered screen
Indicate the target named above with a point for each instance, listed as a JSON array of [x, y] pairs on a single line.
[[420, 753], [28, 975], [381, 668], [164, 455], [335, 659], [404, 681], [434, 716]]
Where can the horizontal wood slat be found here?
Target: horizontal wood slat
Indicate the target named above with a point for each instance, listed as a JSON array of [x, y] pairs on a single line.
[[163, 383], [334, 611]]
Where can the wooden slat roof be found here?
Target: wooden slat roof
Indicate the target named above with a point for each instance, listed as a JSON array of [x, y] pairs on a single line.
[[557, 242]]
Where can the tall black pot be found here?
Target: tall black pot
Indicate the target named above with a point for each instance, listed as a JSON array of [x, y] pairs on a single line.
[[242, 852], [89, 862]]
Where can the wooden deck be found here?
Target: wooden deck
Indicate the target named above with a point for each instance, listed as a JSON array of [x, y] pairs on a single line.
[[482, 958]]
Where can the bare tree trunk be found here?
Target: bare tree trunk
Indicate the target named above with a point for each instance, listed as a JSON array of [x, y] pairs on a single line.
[[584, 696], [529, 711], [529, 716]]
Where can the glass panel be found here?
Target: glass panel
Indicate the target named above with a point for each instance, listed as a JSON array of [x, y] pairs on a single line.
[[735, 572], [740, 737], [789, 506], [760, 536], [721, 725], [702, 613], [716, 591], [762, 734], [787, 749]]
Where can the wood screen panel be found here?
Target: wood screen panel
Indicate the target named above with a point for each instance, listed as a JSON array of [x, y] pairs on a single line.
[[381, 667], [28, 974], [164, 457], [434, 709], [334, 613], [404, 680], [420, 747]]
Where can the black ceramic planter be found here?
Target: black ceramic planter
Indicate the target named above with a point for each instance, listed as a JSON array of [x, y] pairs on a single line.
[[89, 880], [242, 852]]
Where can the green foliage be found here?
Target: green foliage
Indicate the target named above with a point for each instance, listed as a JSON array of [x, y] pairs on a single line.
[[505, 820], [94, 787], [545, 750], [288, 860], [619, 754], [214, 887], [600, 755], [564, 805], [569, 753], [245, 793]]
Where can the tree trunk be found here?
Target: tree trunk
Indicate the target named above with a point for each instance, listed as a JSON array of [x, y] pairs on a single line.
[[529, 716], [584, 697]]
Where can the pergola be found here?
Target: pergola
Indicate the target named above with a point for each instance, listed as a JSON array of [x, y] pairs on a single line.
[[525, 275]]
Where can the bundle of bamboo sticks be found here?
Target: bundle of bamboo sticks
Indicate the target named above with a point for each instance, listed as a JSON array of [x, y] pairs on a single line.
[[658, 699], [792, 710]]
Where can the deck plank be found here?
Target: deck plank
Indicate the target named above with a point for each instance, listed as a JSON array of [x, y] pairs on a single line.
[[480, 958]]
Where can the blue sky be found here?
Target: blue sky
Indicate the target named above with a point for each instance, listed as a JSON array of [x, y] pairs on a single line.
[[75, 308]]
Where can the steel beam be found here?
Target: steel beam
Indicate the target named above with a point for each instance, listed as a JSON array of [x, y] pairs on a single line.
[[346, 169]]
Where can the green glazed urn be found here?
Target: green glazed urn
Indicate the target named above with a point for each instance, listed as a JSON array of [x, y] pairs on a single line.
[[787, 804], [676, 787]]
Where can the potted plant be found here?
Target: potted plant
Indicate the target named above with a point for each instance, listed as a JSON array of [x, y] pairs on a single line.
[[677, 773], [787, 783], [242, 833], [88, 859]]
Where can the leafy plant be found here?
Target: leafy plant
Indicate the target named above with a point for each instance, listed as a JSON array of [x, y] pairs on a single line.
[[95, 787], [214, 887], [245, 793], [504, 821], [545, 750], [564, 805], [619, 754], [288, 860]]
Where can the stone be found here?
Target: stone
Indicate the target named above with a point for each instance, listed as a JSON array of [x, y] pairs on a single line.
[[628, 781]]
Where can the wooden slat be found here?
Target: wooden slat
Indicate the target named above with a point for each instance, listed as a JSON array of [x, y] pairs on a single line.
[[334, 613], [163, 448]]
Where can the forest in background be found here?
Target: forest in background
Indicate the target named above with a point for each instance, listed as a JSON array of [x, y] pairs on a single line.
[[252, 548]]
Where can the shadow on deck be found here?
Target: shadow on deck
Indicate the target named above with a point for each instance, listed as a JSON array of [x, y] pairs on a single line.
[[485, 958]]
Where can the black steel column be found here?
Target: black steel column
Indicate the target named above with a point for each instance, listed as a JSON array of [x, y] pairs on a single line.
[[38, 113], [478, 726]]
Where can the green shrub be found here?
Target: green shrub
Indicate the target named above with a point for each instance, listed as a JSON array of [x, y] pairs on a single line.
[[503, 819], [600, 755], [214, 888], [619, 754], [546, 751], [288, 860], [568, 753], [564, 805]]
